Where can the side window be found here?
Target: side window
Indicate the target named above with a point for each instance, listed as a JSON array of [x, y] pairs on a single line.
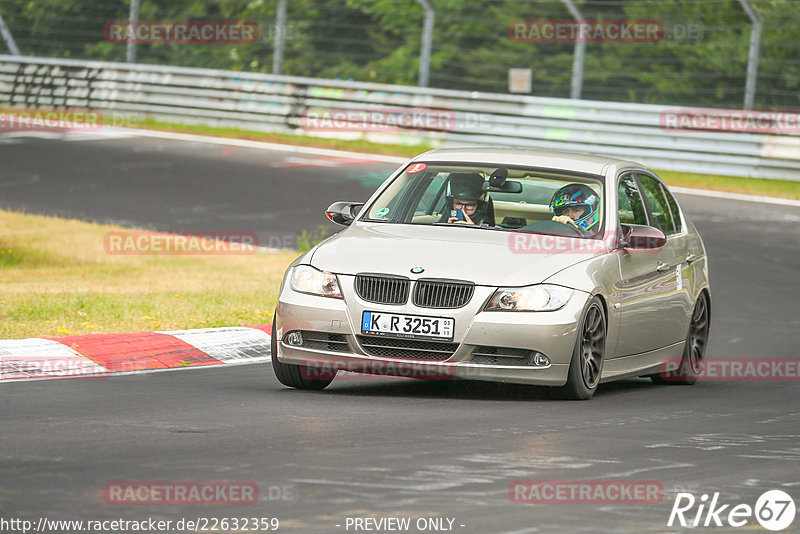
[[673, 206], [657, 202], [431, 194], [631, 209]]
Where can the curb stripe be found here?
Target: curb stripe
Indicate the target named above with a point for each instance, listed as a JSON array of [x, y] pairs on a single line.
[[266, 328], [136, 352], [228, 345], [25, 359], [91, 355]]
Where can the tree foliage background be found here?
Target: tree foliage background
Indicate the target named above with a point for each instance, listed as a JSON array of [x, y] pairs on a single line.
[[702, 60]]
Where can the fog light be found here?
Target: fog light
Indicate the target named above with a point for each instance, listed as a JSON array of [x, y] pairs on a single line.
[[541, 360], [294, 338]]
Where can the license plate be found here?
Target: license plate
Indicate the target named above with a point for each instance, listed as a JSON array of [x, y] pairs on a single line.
[[408, 326]]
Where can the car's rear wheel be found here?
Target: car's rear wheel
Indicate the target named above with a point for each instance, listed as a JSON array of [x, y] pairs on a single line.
[[586, 365], [693, 359], [294, 376]]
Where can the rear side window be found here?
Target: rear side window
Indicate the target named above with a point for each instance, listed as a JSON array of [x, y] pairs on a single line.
[[657, 203], [673, 206], [631, 209]]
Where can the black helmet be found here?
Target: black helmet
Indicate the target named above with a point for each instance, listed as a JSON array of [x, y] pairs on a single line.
[[469, 186], [466, 186]]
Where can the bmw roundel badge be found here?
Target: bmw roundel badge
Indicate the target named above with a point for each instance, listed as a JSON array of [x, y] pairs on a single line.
[[417, 270]]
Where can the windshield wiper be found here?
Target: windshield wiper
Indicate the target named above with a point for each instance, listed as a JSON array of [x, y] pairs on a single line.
[[459, 225], [385, 221]]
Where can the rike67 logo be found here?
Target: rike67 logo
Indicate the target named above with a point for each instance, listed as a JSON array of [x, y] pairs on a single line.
[[774, 510]]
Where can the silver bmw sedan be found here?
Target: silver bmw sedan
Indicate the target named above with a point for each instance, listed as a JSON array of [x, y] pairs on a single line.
[[518, 266]]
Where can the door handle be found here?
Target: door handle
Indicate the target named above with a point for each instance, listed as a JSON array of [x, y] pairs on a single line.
[[661, 267], [690, 258]]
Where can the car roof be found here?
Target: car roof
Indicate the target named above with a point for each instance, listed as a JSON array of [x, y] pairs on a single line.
[[568, 161]]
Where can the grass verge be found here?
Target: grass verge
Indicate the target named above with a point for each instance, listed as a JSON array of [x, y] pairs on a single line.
[[58, 280], [731, 184], [353, 145]]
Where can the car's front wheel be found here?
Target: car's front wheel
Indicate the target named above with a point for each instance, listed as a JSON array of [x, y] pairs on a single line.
[[586, 365], [294, 376]]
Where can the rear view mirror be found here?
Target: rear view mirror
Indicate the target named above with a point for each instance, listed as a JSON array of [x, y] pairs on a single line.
[[504, 187], [641, 237], [343, 213]]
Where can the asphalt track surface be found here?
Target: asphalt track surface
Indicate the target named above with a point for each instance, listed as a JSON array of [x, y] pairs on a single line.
[[387, 448]]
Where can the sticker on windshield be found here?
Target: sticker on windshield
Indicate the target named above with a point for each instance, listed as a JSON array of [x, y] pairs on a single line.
[[417, 167], [382, 212]]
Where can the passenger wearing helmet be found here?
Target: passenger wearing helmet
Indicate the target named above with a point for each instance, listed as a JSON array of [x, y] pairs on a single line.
[[577, 205], [465, 192]]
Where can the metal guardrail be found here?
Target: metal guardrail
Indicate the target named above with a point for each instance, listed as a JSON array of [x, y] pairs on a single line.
[[283, 104]]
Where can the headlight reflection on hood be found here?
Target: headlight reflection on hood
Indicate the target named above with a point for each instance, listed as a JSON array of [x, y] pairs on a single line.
[[306, 279], [542, 297]]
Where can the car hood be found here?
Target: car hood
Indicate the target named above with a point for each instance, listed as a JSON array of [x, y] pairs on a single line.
[[485, 257]]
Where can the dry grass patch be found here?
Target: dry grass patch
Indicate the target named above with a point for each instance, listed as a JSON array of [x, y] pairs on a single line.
[[58, 279]]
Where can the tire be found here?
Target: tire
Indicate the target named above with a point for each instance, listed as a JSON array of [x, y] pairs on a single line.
[[586, 365], [292, 375], [694, 349]]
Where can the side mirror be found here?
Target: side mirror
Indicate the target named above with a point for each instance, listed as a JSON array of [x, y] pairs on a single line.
[[641, 237], [343, 213]]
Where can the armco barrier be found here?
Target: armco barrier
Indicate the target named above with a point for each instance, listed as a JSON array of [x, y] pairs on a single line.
[[282, 103]]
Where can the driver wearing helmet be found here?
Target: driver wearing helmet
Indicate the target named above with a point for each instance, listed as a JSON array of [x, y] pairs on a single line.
[[465, 193], [577, 205]]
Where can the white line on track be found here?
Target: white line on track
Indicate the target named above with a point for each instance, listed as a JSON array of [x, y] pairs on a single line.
[[735, 196], [393, 159], [245, 143]]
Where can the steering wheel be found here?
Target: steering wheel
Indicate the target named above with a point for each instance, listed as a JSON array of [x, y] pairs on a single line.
[[553, 227]]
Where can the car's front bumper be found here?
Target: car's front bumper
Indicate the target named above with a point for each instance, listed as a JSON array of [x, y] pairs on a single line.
[[550, 333]]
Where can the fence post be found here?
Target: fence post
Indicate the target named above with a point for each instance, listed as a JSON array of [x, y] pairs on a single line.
[[280, 34], [576, 86], [427, 43], [132, 19], [752, 56], [8, 38]]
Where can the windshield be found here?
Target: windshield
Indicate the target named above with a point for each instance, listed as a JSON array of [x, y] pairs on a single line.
[[493, 198]]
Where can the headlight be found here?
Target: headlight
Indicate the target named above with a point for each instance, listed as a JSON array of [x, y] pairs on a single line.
[[306, 279], [541, 297]]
